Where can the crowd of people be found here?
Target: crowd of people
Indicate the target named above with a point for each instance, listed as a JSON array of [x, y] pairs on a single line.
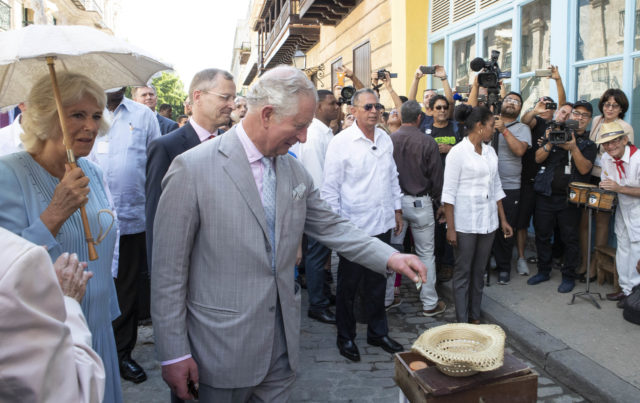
[[210, 225]]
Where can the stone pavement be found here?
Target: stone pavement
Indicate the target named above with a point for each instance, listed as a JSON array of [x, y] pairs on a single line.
[[591, 350], [325, 376]]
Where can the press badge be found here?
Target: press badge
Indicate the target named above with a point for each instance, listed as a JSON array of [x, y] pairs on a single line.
[[567, 169], [103, 147]]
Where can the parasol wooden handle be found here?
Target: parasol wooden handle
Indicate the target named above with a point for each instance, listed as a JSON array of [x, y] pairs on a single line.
[[68, 142]]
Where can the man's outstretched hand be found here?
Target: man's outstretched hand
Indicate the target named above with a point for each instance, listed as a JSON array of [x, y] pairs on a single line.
[[408, 265]]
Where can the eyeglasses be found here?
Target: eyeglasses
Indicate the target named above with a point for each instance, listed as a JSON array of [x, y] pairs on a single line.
[[610, 105], [368, 107], [512, 101], [441, 107], [393, 112], [224, 97], [613, 142], [585, 115]]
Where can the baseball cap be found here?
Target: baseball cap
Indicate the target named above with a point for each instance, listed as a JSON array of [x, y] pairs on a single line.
[[585, 105]]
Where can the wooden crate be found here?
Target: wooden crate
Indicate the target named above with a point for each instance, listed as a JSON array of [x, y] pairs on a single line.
[[514, 382]]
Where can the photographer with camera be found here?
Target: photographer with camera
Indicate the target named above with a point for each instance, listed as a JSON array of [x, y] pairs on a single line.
[[337, 125], [537, 119], [510, 140], [566, 156], [385, 77], [438, 72]]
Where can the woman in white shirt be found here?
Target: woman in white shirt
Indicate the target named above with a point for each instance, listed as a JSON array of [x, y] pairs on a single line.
[[471, 193]]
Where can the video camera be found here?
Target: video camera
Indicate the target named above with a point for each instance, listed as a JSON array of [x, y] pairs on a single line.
[[381, 74], [561, 131], [490, 78], [346, 94]]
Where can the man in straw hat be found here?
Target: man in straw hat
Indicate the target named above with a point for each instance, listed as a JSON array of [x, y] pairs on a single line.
[[621, 174]]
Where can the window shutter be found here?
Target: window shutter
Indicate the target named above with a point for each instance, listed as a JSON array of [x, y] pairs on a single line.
[[463, 8], [439, 14], [487, 3], [362, 62]]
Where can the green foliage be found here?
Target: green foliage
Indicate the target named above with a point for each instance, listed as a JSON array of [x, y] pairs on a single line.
[[170, 91]]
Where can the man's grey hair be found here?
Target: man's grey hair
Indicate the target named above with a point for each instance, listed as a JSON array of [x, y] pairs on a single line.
[[410, 111], [134, 90], [239, 98], [281, 87], [354, 98], [203, 80]]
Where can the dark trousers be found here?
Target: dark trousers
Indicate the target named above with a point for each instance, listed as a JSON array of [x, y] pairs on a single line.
[[472, 255], [443, 251], [552, 210], [132, 259], [318, 288], [374, 284], [503, 247]]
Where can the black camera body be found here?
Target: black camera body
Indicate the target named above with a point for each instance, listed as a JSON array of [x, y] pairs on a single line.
[[381, 74], [561, 131], [551, 105], [346, 94], [489, 78]]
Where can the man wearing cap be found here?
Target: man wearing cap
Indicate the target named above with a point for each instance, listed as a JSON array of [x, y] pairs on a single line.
[[621, 174], [561, 164]]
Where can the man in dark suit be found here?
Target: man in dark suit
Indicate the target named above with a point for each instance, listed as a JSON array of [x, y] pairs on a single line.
[[147, 96], [212, 106]]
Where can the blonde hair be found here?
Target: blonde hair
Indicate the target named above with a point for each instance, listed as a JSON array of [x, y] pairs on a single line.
[[41, 115]]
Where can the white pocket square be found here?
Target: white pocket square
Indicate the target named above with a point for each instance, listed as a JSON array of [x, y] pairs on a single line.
[[298, 192]]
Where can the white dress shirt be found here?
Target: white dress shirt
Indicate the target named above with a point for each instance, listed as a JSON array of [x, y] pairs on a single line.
[[10, 137], [472, 185], [361, 179], [628, 206], [312, 152]]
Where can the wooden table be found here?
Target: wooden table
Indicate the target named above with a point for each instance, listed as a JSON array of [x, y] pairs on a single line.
[[514, 382]]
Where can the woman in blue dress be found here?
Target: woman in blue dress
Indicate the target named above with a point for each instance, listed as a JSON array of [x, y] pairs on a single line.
[[41, 196]]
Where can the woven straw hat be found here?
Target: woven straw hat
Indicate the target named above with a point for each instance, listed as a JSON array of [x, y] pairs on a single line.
[[461, 349]]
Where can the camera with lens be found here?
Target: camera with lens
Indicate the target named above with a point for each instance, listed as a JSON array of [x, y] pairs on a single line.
[[561, 131], [382, 76], [346, 94], [489, 78]]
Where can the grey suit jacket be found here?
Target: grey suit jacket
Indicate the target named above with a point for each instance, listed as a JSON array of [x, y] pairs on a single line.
[[213, 292]]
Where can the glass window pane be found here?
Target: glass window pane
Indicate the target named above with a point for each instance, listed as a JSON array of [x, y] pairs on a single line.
[[635, 113], [600, 28], [437, 57], [637, 29], [536, 34], [595, 79], [499, 38], [464, 50], [531, 89]]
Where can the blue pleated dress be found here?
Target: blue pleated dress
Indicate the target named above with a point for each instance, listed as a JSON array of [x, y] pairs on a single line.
[[26, 190]]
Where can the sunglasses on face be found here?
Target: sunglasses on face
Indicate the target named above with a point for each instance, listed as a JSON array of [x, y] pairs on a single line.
[[610, 105], [512, 101], [441, 107], [368, 107]]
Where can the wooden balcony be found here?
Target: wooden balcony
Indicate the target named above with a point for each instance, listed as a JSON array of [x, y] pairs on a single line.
[[326, 12], [282, 32]]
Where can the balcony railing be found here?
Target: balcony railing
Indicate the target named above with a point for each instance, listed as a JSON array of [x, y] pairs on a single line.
[[282, 32], [326, 12]]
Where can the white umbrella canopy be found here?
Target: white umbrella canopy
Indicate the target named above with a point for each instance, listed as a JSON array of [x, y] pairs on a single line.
[[110, 61]]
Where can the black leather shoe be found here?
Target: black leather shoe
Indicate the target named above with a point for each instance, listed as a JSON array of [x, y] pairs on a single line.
[[387, 343], [348, 349], [325, 316], [131, 371]]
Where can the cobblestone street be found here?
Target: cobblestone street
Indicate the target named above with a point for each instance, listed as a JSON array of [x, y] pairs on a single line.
[[325, 376]]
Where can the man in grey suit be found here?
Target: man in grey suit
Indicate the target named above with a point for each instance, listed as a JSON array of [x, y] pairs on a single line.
[[225, 307]]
